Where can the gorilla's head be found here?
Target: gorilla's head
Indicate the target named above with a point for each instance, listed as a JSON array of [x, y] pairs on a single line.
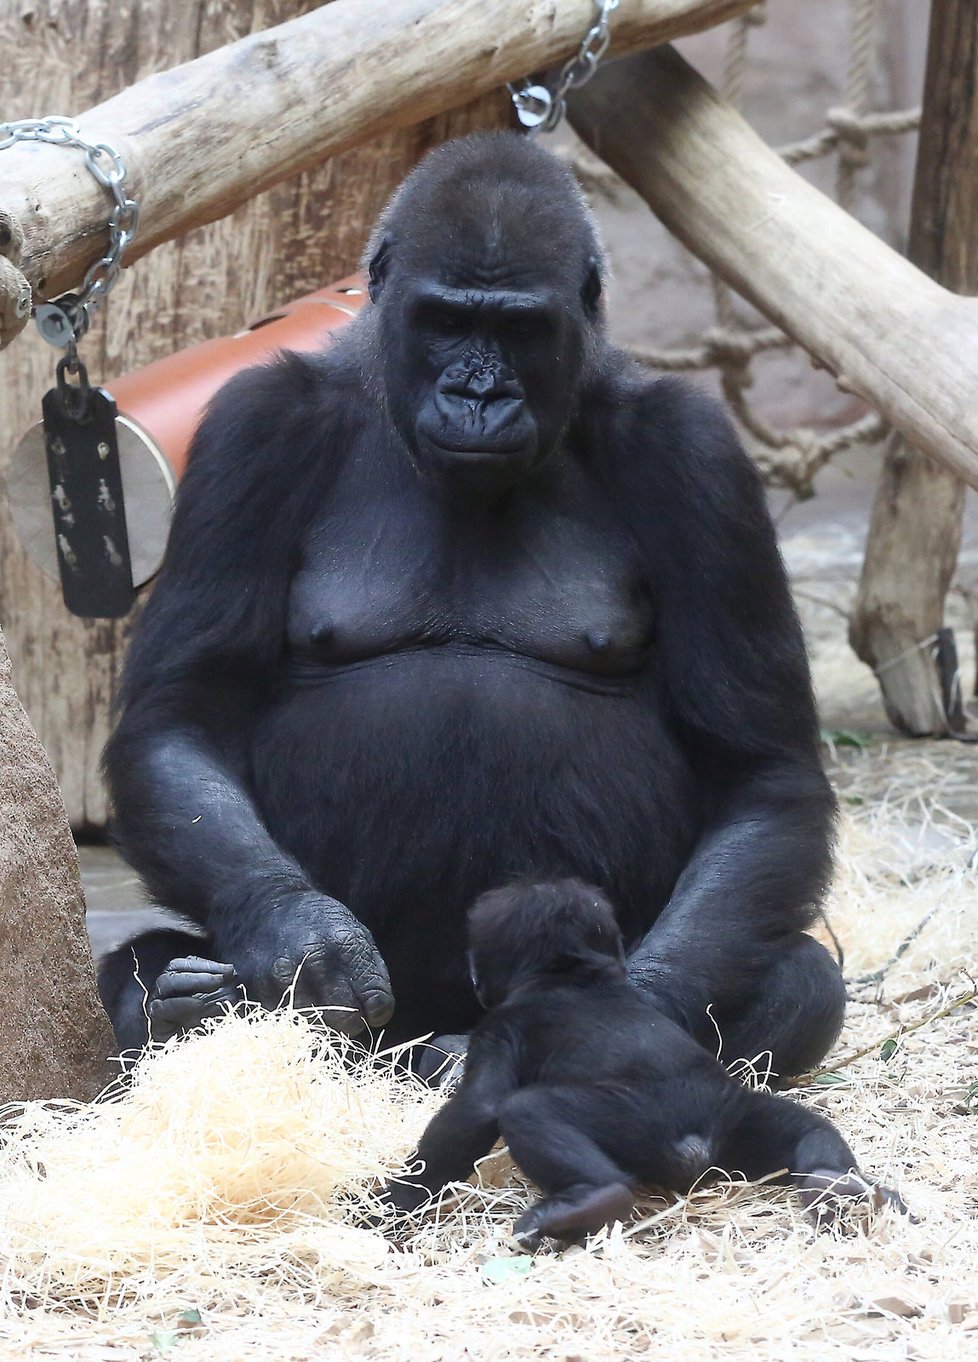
[[530, 932], [485, 270]]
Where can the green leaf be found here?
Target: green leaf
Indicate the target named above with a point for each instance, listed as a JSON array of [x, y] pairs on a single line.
[[498, 1270], [830, 1079], [163, 1342], [843, 737], [888, 1049], [971, 1097]]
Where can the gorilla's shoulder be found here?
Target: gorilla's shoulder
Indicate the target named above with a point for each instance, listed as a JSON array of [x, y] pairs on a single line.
[[291, 409], [671, 433], [294, 383]]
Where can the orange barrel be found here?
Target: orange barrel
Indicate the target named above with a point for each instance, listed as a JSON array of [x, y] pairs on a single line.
[[159, 410]]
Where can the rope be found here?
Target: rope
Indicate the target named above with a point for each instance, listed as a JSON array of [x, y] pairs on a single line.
[[791, 458]]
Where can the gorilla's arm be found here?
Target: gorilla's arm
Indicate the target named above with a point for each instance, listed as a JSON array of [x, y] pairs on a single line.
[[738, 692], [465, 1129], [201, 663]]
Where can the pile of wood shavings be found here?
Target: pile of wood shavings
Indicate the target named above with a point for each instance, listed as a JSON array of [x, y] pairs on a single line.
[[214, 1210]]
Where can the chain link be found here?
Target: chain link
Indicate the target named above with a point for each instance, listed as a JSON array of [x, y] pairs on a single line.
[[540, 108], [109, 170]]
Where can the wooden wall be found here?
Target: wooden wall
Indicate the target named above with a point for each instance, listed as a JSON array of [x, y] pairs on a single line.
[[63, 56]]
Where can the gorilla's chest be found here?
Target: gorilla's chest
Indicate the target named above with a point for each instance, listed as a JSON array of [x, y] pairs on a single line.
[[560, 586]]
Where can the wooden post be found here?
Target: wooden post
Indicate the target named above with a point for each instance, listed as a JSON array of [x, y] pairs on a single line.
[[55, 1040], [915, 530], [299, 236]]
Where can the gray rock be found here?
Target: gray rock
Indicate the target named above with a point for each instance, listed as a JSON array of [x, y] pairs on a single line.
[[55, 1039]]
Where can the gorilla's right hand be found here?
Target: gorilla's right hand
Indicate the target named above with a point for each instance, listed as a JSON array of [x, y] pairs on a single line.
[[312, 947]]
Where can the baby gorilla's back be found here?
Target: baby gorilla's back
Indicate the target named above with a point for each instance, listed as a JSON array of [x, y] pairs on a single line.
[[593, 1089]]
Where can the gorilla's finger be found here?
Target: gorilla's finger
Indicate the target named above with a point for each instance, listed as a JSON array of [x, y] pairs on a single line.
[[173, 984], [377, 1005], [348, 1021], [331, 998], [183, 1012], [196, 964], [371, 983]]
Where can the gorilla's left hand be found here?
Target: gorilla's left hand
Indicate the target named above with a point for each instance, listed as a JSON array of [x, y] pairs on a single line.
[[313, 946]]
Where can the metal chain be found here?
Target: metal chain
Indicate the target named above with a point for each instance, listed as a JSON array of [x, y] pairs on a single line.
[[540, 108], [63, 322]]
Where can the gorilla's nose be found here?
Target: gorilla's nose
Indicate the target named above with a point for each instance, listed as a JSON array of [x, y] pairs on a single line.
[[484, 380]]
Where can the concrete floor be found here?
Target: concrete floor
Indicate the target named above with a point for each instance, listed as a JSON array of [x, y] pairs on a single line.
[[117, 904]]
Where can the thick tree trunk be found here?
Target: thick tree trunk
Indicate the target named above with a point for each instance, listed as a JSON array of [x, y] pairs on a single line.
[[915, 529], [63, 56], [55, 1040]]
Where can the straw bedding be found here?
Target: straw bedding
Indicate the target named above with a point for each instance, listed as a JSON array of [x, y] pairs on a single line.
[[212, 1210]]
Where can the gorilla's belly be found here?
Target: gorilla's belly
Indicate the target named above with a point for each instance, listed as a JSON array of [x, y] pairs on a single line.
[[408, 784]]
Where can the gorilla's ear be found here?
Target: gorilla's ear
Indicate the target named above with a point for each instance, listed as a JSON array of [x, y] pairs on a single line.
[[591, 288], [377, 269]]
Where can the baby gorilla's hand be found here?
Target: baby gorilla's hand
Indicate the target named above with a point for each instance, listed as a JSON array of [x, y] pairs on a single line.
[[314, 947], [187, 992]]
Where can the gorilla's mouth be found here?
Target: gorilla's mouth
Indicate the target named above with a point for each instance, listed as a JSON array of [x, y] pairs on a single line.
[[464, 450]]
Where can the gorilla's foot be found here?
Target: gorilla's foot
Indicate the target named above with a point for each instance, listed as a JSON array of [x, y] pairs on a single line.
[[824, 1193], [440, 1061], [573, 1214], [189, 991]]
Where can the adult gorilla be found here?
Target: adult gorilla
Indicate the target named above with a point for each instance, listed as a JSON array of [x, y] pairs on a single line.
[[470, 597]]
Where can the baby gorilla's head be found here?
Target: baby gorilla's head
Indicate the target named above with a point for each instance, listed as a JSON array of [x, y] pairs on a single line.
[[558, 928]]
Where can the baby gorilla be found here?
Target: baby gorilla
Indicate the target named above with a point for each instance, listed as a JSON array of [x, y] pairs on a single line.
[[595, 1091]]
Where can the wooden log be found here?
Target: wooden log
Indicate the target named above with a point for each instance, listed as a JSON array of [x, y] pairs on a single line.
[[915, 529], [205, 137], [288, 241], [55, 1039], [886, 331]]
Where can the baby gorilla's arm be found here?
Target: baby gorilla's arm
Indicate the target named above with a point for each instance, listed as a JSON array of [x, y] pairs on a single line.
[[466, 1127]]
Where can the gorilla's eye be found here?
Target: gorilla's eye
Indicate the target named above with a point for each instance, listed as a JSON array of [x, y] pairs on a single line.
[[522, 326], [448, 322]]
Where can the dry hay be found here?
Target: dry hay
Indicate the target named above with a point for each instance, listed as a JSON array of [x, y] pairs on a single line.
[[210, 1212]]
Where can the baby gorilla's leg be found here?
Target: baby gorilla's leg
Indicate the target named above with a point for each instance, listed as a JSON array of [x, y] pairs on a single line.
[[549, 1136], [775, 1133]]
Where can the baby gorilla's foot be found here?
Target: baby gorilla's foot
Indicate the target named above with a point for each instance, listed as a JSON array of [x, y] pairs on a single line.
[[187, 992], [574, 1214], [823, 1194]]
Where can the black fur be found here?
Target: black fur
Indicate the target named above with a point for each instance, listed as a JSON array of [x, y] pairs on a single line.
[[467, 597], [593, 1089]]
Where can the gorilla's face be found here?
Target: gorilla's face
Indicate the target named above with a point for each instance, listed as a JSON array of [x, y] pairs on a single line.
[[485, 273], [481, 372], [481, 379]]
